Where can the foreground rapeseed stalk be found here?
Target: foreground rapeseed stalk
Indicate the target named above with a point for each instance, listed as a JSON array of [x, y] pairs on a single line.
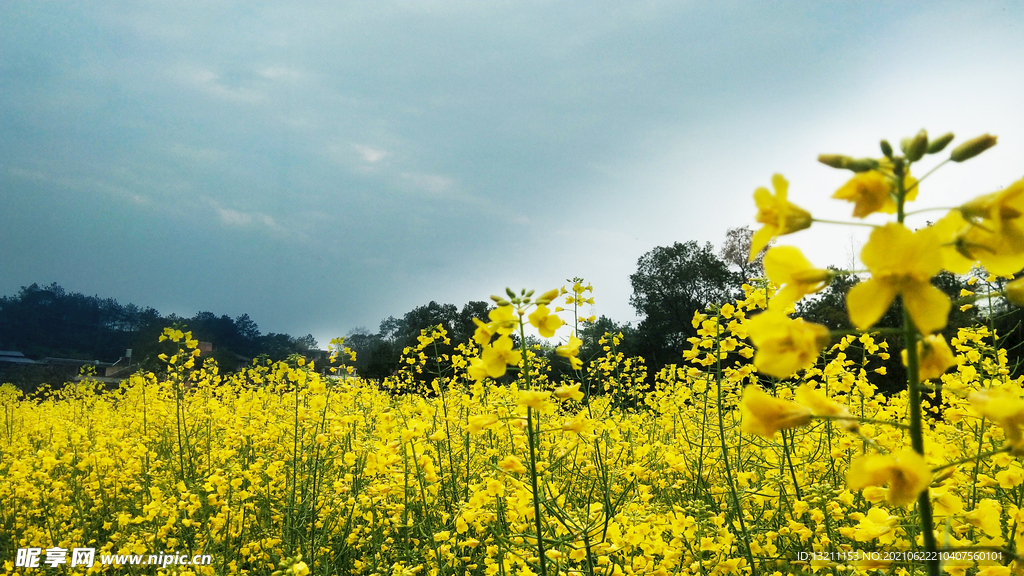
[[988, 230]]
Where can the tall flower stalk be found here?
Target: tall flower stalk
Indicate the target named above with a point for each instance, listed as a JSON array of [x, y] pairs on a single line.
[[988, 230]]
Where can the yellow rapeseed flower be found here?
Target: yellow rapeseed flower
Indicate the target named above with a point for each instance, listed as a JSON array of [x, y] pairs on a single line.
[[477, 423], [784, 345], [569, 391], [995, 232], [901, 263], [502, 322], [765, 415], [538, 400], [821, 405], [499, 355], [990, 570], [986, 516], [544, 321], [570, 350], [794, 274], [476, 369], [876, 524], [778, 215], [1010, 478], [495, 487], [905, 472], [934, 357], [579, 424], [512, 464], [875, 190], [1006, 409]]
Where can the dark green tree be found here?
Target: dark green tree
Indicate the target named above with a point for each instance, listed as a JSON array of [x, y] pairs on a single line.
[[670, 284]]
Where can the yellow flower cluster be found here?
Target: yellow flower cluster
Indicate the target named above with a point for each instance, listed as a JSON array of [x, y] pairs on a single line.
[[258, 467], [707, 468]]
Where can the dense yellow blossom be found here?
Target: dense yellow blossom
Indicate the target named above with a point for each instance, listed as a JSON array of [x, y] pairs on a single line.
[[379, 460]]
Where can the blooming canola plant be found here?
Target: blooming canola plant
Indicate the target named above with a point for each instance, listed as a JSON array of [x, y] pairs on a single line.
[[766, 450]]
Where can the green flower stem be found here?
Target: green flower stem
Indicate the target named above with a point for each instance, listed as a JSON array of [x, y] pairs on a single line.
[[924, 501], [840, 223], [531, 436], [789, 462], [977, 463], [921, 179], [970, 459], [923, 210], [863, 420], [847, 332], [725, 447]]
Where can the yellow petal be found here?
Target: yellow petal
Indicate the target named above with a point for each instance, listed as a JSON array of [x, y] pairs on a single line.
[[782, 262], [868, 301], [870, 193], [781, 186], [947, 229], [928, 306], [760, 239], [765, 415], [784, 345], [934, 357], [905, 472]]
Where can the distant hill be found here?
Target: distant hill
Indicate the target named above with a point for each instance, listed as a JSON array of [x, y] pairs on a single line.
[[51, 322]]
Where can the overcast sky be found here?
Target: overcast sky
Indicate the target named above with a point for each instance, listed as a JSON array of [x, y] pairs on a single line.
[[321, 166]]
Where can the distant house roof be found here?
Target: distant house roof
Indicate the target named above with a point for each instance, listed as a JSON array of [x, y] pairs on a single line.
[[15, 357], [76, 362]]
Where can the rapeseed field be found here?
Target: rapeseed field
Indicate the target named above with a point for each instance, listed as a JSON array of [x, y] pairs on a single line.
[[766, 449]]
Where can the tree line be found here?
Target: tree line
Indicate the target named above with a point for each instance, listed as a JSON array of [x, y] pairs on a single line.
[[670, 284], [49, 321]]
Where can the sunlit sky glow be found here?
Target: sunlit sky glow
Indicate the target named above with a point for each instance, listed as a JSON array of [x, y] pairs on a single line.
[[321, 166]]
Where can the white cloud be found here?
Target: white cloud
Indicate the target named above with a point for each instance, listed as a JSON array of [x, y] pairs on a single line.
[[214, 84], [430, 183], [238, 218], [279, 73], [79, 183], [369, 154], [234, 217]]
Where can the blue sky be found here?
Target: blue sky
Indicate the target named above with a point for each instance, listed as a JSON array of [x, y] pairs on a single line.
[[321, 166]]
